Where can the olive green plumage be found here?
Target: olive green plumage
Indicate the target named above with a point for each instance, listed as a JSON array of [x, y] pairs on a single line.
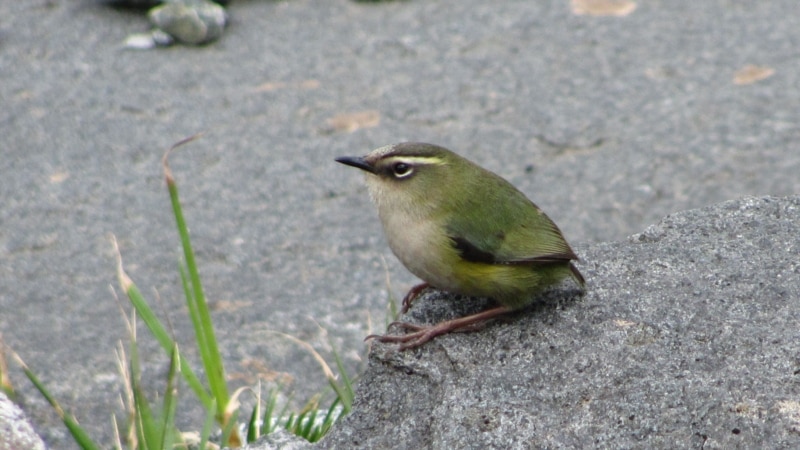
[[462, 228]]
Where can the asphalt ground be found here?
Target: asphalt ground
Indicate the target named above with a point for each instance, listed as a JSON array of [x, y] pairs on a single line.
[[607, 123]]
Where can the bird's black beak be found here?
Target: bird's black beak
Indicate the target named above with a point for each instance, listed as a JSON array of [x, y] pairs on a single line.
[[356, 161]]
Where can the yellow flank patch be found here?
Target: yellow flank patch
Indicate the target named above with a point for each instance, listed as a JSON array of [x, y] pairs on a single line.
[[495, 280]]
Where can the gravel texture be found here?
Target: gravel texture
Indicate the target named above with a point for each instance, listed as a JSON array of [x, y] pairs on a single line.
[[607, 123]]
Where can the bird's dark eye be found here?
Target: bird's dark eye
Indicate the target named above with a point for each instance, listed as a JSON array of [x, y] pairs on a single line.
[[401, 169]]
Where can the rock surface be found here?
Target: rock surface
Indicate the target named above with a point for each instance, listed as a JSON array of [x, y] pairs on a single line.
[[687, 337], [279, 440], [607, 123], [16, 432]]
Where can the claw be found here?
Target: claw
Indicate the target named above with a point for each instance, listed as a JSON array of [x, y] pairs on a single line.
[[400, 338], [424, 333], [412, 295]]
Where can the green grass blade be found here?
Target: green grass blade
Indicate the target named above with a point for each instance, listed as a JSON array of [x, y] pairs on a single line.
[[200, 336], [344, 392], [343, 389], [212, 361], [290, 423], [333, 414], [308, 425], [169, 430], [252, 425], [230, 430], [209, 422], [269, 421], [147, 428], [157, 329], [273, 420], [77, 432], [253, 430]]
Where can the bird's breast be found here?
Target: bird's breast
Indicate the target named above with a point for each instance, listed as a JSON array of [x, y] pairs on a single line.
[[424, 249]]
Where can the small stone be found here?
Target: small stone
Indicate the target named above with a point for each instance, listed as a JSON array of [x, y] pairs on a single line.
[[140, 41], [192, 22], [162, 38]]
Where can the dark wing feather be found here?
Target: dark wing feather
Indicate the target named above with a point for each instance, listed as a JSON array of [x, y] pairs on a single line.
[[471, 252]]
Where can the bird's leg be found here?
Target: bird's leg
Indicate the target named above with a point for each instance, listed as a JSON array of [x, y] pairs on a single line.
[[412, 295], [423, 333]]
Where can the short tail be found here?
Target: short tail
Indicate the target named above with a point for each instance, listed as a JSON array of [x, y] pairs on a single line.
[[576, 275]]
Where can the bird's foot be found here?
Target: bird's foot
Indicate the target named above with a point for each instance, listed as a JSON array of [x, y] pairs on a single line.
[[412, 295], [421, 334]]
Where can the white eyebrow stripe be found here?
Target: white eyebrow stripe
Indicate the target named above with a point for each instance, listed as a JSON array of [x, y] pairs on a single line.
[[416, 160]]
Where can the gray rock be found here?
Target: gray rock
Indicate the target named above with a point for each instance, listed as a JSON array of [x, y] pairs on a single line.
[[687, 337], [15, 431], [608, 124], [192, 22], [279, 440]]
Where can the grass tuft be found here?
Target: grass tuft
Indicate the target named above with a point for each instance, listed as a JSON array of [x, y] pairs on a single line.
[[151, 425]]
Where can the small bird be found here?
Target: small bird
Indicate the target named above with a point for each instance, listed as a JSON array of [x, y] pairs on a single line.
[[462, 229]]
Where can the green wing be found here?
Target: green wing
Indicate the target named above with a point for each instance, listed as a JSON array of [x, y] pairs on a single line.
[[507, 230]]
